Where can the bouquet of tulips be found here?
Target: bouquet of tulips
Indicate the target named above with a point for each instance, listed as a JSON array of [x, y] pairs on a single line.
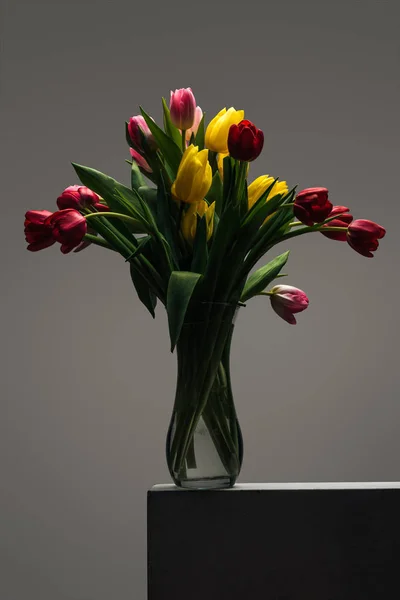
[[192, 229]]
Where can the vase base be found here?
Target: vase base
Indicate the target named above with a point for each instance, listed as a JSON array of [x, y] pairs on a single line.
[[206, 483]]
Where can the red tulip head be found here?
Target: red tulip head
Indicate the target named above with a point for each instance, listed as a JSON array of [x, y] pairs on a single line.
[[344, 218], [182, 106], [68, 228], [363, 236], [312, 205], [38, 233], [77, 197], [245, 141], [287, 300]]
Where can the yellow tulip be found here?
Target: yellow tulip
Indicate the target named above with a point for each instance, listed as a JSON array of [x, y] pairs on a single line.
[[189, 220], [257, 188], [220, 163], [194, 176], [217, 131]]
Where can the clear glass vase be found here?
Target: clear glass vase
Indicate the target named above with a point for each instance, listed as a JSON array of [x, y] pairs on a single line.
[[204, 441]]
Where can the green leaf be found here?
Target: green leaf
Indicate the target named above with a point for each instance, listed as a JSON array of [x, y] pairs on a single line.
[[229, 182], [180, 289], [171, 152], [200, 135], [165, 222], [169, 127], [215, 192], [258, 281], [146, 295], [140, 247], [137, 179], [200, 250]]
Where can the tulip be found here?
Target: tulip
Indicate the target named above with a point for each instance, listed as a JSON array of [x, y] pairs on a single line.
[[79, 197], [312, 205], [260, 185], [194, 176], [216, 138], [198, 115], [189, 220], [38, 233], [182, 106], [140, 133], [245, 141], [140, 161], [363, 236], [68, 228], [220, 163], [287, 300], [343, 220]]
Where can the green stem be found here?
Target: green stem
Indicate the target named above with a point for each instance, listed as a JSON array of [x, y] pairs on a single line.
[[183, 140], [113, 214], [318, 227], [94, 239]]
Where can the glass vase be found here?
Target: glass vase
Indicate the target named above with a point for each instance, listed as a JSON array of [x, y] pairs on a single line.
[[204, 441]]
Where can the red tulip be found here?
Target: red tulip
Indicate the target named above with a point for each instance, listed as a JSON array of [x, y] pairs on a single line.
[[38, 233], [312, 205], [287, 300], [140, 161], [79, 197], [68, 228], [245, 141], [182, 106], [140, 133], [343, 220], [363, 236]]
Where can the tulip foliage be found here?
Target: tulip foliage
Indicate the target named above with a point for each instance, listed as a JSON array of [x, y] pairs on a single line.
[[190, 225]]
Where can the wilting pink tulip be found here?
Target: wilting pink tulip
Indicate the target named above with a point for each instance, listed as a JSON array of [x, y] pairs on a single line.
[[363, 236], [139, 131], [198, 115], [68, 228], [38, 233], [287, 300], [78, 197], [140, 161], [312, 205], [343, 220], [182, 106]]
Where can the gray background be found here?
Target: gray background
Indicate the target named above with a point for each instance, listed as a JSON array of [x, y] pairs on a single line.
[[87, 377]]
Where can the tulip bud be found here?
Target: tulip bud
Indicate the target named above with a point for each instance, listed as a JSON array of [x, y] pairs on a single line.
[[216, 138], [287, 300], [68, 228], [363, 236], [245, 141], [312, 205], [194, 176], [139, 132], [260, 185], [198, 115], [343, 220], [38, 233], [140, 161], [79, 197], [189, 220], [182, 106]]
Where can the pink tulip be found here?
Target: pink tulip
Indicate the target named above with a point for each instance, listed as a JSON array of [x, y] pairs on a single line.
[[139, 132], [68, 228], [363, 236], [182, 107], [140, 161], [38, 233], [79, 197], [198, 115], [287, 300]]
